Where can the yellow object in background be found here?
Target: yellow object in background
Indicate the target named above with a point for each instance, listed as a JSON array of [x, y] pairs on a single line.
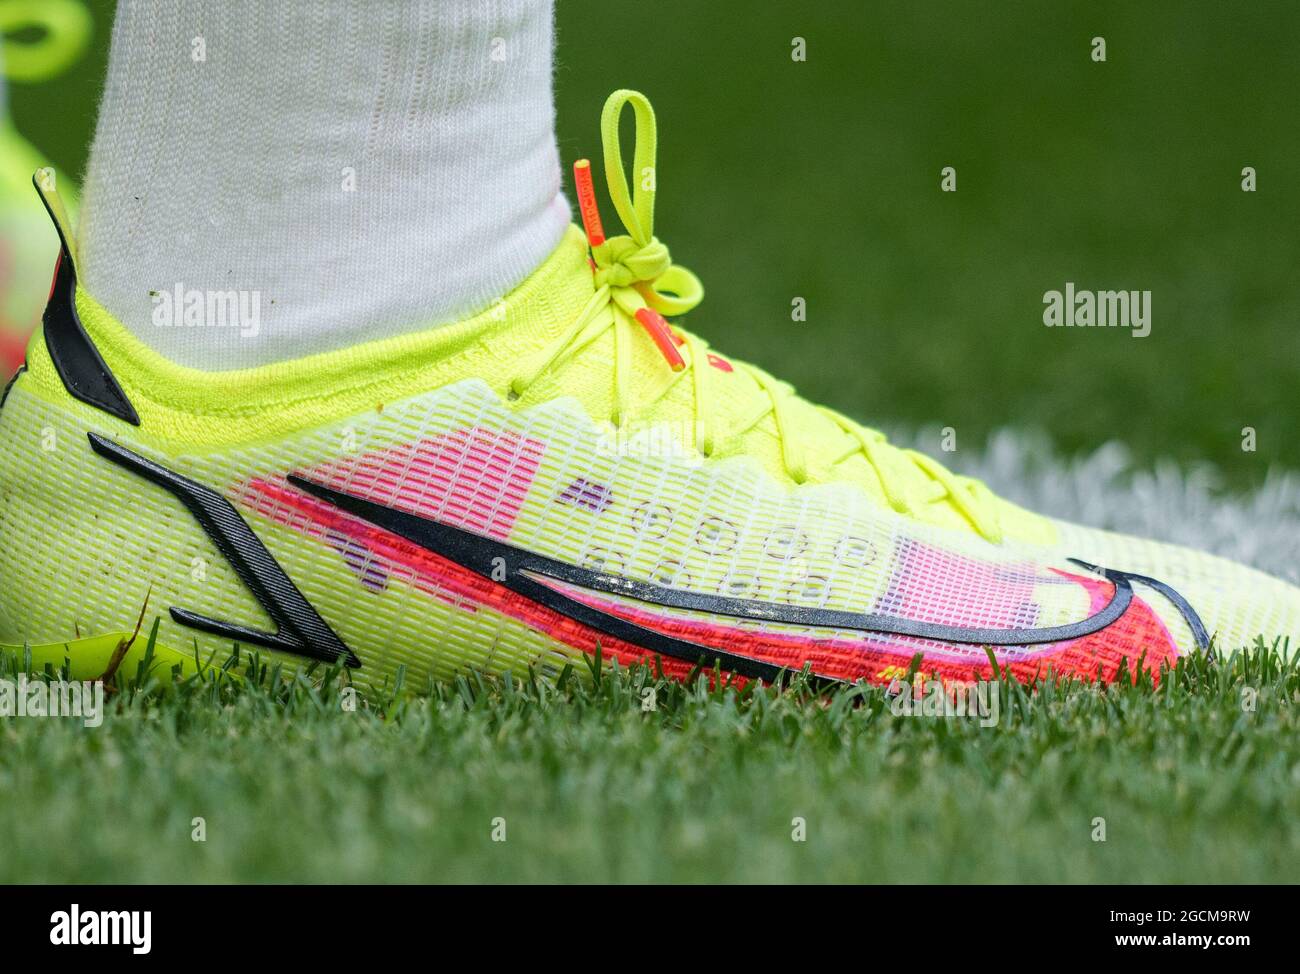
[[41, 39]]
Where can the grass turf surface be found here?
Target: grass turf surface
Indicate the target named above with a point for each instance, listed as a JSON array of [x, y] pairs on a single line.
[[1193, 785]]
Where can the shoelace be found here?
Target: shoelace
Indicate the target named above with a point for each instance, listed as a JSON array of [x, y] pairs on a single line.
[[637, 285], [64, 25]]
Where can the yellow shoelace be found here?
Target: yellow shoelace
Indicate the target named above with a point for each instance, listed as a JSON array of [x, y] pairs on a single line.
[[637, 285]]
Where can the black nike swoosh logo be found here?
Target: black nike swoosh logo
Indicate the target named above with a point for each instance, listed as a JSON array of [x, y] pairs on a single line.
[[525, 570], [299, 627]]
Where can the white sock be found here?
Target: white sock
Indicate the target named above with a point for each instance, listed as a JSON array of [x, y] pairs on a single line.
[[230, 131]]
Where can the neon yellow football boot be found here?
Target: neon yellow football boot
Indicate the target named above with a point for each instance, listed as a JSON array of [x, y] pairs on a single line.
[[28, 245], [564, 474]]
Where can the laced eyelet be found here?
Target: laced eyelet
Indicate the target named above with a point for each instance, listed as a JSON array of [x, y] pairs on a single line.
[[512, 391]]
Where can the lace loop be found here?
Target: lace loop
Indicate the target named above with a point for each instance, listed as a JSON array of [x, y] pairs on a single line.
[[635, 209], [637, 265]]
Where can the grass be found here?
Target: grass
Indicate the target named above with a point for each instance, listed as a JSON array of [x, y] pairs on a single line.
[[1193, 785]]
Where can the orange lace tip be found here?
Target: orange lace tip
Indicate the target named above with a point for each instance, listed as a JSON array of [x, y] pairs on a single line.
[[654, 323], [587, 203]]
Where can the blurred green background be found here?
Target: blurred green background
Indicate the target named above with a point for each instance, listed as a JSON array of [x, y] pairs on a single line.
[[821, 180]]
